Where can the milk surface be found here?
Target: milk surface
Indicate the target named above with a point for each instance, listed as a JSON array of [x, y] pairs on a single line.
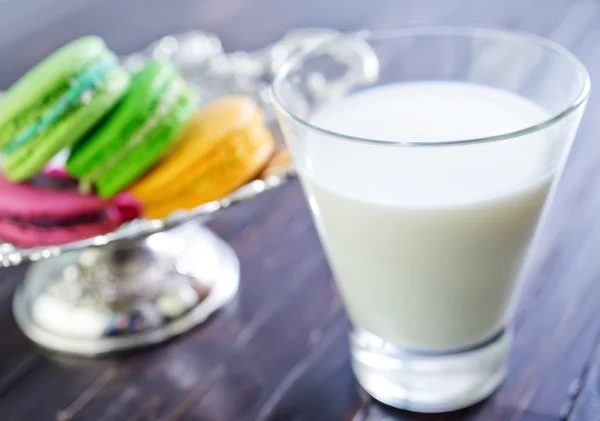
[[426, 242]]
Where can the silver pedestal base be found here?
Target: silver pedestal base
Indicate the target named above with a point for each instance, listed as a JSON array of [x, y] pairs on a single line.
[[127, 295]]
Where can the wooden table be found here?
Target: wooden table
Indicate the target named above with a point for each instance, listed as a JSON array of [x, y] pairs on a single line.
[[280, 352]]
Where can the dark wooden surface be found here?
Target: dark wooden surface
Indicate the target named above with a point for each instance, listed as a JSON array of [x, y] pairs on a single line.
[[279, 352]]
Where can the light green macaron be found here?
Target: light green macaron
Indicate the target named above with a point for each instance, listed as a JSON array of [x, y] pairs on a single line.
[[56, 103]]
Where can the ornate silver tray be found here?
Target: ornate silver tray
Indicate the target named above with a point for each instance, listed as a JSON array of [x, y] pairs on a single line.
[[153, 279]]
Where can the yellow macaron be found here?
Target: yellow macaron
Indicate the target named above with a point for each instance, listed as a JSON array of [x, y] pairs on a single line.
[[225, 145]]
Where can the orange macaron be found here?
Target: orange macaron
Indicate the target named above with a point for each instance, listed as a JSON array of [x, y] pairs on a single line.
[[225, 145], [281, 158]]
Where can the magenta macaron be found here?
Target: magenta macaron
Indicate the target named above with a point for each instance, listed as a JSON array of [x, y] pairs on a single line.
[[49, 210]]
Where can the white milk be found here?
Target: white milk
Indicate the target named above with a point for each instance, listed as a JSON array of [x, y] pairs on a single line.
[[426, 242]]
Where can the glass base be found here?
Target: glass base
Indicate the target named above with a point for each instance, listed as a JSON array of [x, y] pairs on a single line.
[[428, 382]]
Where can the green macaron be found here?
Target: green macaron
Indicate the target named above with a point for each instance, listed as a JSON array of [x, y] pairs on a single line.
[[56, 103], [137, 133]]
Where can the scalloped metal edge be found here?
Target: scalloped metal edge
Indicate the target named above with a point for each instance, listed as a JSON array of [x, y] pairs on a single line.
[[11, 255]]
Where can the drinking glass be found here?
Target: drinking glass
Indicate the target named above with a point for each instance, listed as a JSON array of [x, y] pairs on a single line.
[[426, 230]]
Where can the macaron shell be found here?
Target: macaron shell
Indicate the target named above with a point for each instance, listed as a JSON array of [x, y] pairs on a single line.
[[136, 107], [198, 149], [156, 144], [51, 74], [32, 202], [237, 160], [99, 156], [30, 159], [29, 236]]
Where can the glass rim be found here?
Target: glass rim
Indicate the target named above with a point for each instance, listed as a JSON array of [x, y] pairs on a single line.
[[472, 31]]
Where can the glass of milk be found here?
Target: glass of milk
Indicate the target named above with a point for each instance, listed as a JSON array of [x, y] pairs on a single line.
[[427, 155]]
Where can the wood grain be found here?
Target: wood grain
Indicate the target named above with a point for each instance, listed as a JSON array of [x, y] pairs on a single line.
[[280, 351]]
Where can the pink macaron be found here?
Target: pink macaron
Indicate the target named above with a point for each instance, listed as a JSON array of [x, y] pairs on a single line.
[[49, 210]]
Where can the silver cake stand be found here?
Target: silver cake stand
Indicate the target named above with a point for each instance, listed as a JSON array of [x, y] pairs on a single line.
[[153, 279]]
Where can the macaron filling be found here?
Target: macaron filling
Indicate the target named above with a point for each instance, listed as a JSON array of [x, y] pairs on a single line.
[[54, 181], [80, 91], [56, 222], [165, 105]]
